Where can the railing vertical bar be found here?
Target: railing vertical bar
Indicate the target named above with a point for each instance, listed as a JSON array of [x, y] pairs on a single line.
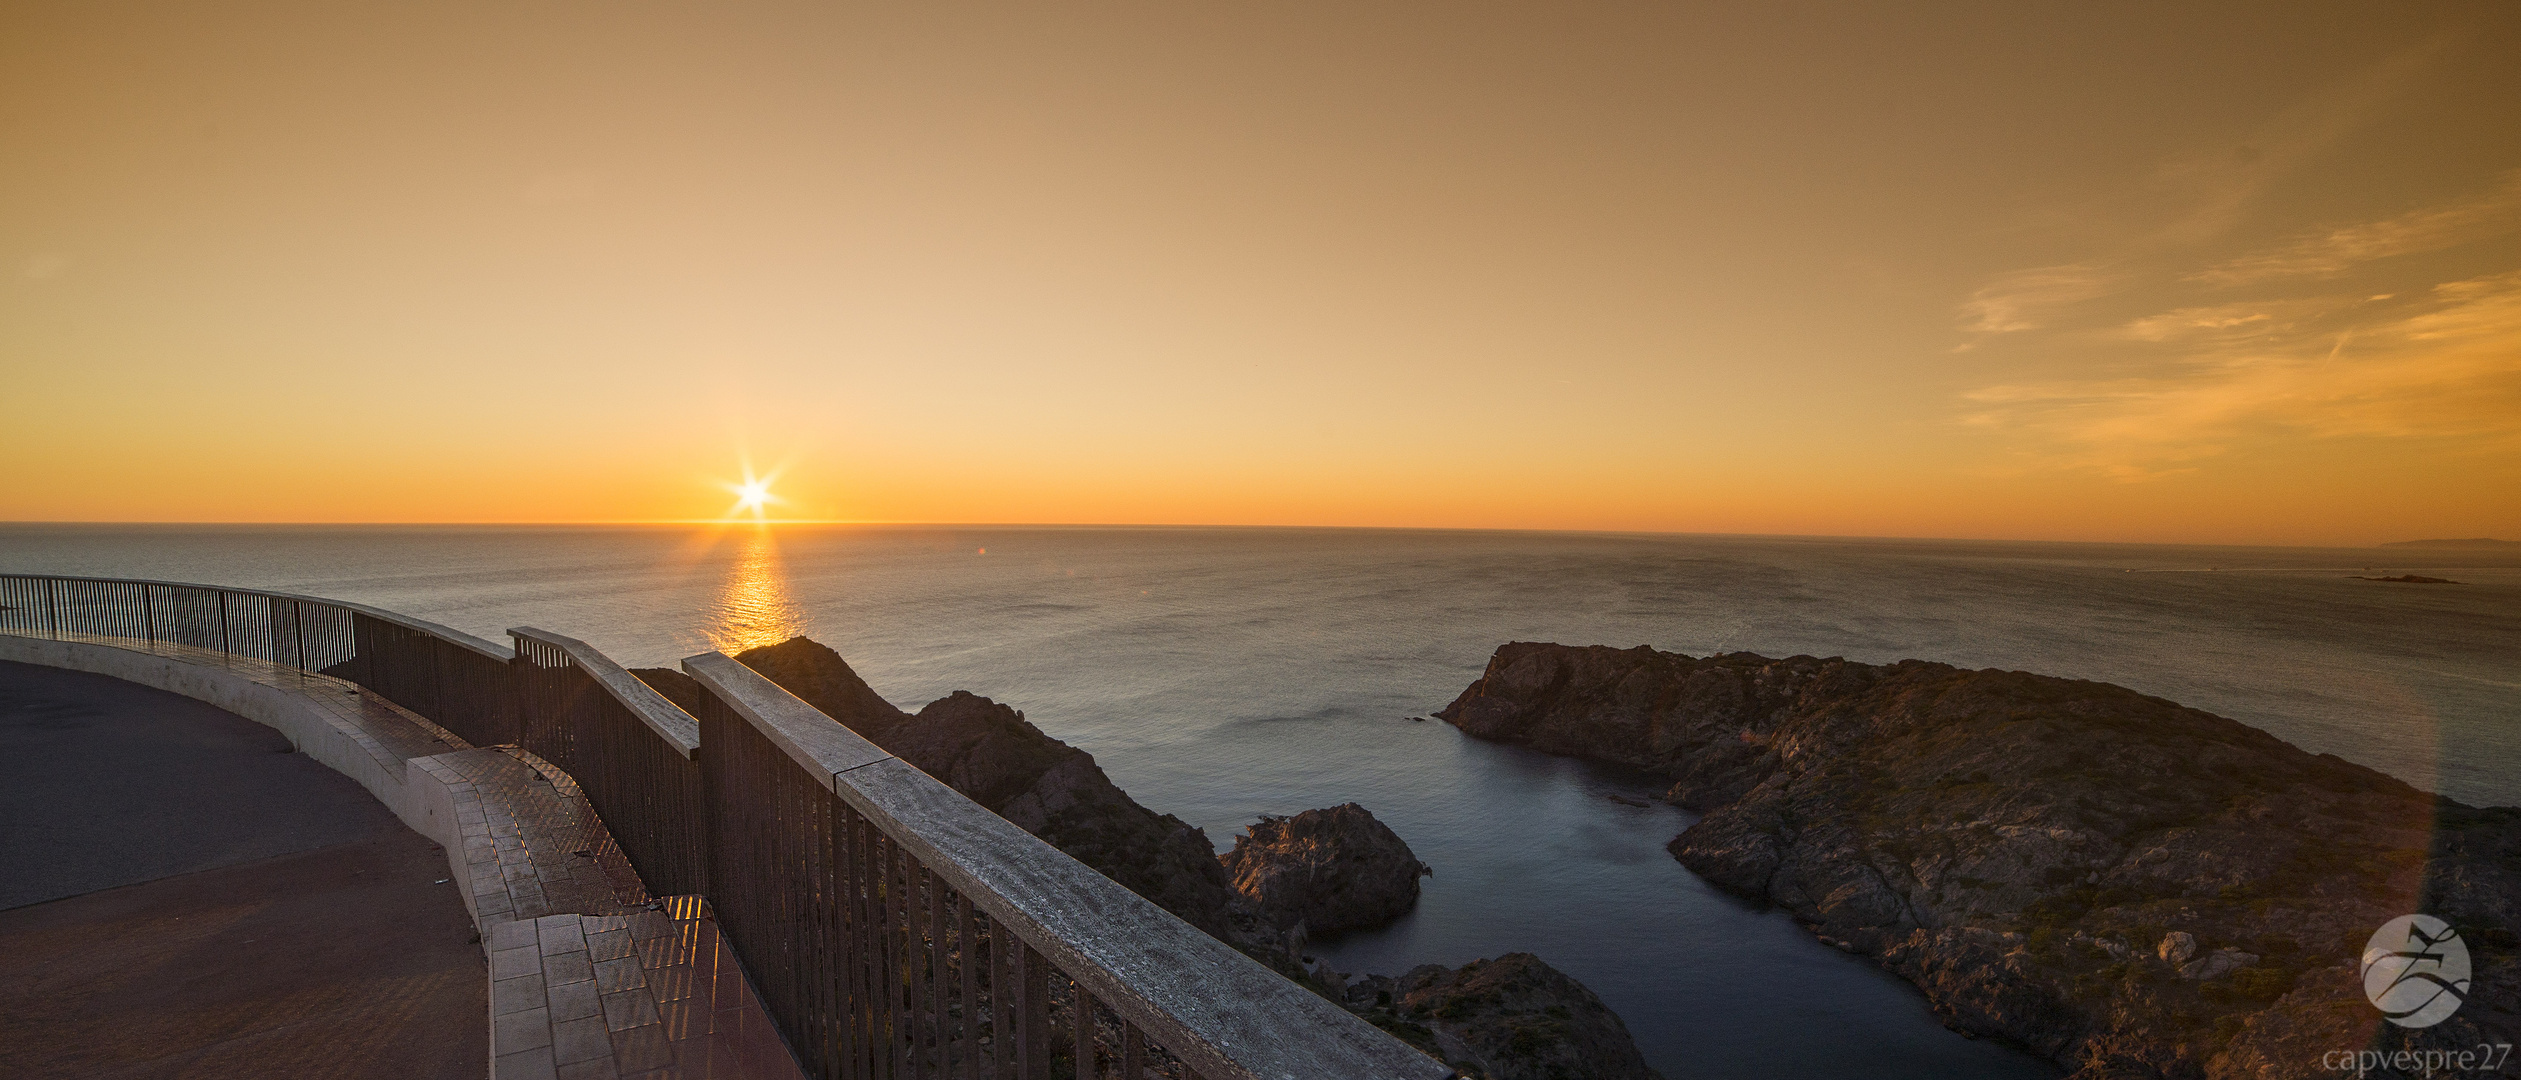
[[1002, 991], [1036, 1013], [862, 972], [1083, 1005], [1133, 1051], [921, 952], [833, 929], [52, 608], [148, 616], [224, 647], [933, 1025], [968, 1025], [904, 939], [845, 928]]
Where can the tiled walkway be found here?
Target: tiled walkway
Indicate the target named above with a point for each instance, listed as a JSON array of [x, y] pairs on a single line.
[[542, 850], [648, 994], [590, 977], [195, 900]]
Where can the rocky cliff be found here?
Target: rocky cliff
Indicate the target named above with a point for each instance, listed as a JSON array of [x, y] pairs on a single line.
[[1331, 869], [1511, 1019], [2127, 886], [990, 753]]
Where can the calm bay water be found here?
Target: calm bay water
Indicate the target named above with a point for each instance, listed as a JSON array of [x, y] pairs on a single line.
[[1220, 674]]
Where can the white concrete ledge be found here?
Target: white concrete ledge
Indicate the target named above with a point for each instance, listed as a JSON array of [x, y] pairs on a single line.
[[316, 714]]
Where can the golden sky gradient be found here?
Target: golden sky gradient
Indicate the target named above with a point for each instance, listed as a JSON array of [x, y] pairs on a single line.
[[2246, 273]]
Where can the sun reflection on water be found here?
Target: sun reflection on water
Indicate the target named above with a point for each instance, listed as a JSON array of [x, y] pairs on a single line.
[[754, 608]]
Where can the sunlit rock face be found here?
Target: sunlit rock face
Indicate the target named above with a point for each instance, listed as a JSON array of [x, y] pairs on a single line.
[[1331, 869], [991, 754], [2126, 885]]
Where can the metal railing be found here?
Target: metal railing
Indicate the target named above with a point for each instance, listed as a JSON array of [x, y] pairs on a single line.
[[629, 749], [893, 927], [456, 680], [916, 934]]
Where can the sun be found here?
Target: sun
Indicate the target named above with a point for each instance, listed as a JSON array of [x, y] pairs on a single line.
[[753, 496]]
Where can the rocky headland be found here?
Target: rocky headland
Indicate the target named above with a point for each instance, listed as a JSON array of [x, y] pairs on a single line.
[[990, 753], [1330, 869], [2124, 885], [1514, 1018]]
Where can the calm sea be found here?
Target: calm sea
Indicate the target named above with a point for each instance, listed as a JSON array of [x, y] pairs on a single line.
[[1220, 674]]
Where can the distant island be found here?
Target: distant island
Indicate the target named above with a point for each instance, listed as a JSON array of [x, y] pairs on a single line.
[[2408, 579], [2476, 542]]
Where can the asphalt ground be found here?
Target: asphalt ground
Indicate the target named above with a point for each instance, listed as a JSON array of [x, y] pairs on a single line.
[[187, 897]]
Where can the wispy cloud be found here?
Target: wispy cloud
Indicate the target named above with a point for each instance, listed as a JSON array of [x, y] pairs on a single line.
[[2028, 299], [2217, 187], [2192, 199], [2329, 254], [2447, 366], [2233, 323]]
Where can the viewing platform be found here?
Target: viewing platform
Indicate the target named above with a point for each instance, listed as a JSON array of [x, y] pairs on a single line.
[[243, 929], [527, 863]]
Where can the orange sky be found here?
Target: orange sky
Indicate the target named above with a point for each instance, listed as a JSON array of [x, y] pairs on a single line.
[[2246, 274]]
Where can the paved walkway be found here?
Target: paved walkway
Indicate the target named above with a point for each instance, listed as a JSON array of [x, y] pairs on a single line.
[[187, 897], [269, 921]]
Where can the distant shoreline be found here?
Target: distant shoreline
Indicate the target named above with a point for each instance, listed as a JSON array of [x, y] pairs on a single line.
[[2471, 544]]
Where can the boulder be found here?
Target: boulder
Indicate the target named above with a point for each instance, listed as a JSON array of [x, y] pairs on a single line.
[[2217, 964], [2177, 947], [1511, 1018], [1331, 869]]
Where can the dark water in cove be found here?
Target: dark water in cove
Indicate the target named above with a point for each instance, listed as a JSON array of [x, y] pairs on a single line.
[[1220, 674]]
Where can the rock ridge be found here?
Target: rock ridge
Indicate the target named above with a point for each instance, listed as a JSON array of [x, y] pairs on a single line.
[[993, 755], [2124, 885]]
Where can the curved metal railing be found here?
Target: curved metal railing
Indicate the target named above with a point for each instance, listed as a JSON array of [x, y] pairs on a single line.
[[630, 749], [456, 680]]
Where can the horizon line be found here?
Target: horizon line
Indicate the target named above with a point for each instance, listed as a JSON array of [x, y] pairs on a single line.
[[764, 523]]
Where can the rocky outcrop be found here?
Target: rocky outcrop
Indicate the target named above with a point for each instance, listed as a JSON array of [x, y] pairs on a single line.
[[1508, 1019], [990, 753], [1330, 869], [1511, 1018], [2127, 886]]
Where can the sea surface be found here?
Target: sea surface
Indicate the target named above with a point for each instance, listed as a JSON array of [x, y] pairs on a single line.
[[1221, 674]]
